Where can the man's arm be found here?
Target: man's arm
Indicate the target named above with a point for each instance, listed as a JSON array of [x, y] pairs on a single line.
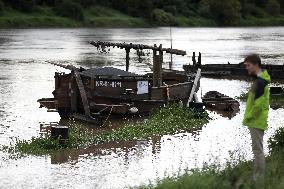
[[259, 88]]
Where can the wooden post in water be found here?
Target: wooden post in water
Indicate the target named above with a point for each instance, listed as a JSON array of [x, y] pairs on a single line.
[[59, 132], [193, 59], [171, 62], [73, 95], [82, 93], [157, 67], [199, 60], [194, 62], [195, 83], [127, 58]]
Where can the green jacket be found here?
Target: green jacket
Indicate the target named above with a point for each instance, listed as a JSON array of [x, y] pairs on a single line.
[[257, 107]]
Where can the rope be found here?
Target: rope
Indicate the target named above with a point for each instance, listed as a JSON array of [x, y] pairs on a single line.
[[107, 116]]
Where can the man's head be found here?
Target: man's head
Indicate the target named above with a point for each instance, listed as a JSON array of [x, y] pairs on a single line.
[[253, 64]]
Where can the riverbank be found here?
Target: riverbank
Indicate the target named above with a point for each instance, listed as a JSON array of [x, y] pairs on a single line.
[[99, 16], [236, 175]]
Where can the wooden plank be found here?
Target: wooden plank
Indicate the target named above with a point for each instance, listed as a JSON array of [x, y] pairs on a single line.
[[73, 95], [99, 44], [127, 58], [82, 93], [157, 69], [193, 89], [217, 99]]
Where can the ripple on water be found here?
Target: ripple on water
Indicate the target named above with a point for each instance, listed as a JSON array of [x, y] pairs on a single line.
[[26, 77]]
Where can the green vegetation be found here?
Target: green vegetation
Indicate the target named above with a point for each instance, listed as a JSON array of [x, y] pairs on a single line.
[[137, 13], [234, 175], [273, 98], [169, 120], [44, 16]]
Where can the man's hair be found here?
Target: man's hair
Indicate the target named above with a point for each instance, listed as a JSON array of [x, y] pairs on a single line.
[[254, 59]]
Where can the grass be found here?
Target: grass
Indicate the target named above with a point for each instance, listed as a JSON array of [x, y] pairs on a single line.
[[266, 21], [169, 120], [236, 175], [195, 21]]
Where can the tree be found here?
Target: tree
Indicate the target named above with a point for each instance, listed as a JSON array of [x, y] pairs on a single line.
[[85, 3], [22, 5], [273, 7], [227, 12], [162, 17], [260, 3], [68, 8], [2, 6], [204, 8], [140, 8], [121, 5], [281, 2]]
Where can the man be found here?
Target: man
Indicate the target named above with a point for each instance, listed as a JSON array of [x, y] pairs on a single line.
[[256, 113]]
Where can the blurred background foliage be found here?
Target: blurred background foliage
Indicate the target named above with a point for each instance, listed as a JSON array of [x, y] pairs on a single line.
[[158, 12]]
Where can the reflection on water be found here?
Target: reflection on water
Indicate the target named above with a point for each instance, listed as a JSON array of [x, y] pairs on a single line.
[[26, 76]]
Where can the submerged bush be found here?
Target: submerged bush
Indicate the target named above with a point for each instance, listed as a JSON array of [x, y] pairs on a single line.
[[169, 120]]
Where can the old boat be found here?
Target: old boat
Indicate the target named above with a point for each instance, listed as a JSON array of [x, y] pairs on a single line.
[[86, 94], [229, 70], [219, 101]]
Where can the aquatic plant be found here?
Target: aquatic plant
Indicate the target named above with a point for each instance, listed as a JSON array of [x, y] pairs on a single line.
[[168, 120], [243, 96]]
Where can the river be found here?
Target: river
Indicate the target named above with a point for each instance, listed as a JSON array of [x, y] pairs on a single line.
[[26, 75]]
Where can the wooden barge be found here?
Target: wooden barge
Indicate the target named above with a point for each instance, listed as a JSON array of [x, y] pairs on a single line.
[[231, 70], [86, 94]]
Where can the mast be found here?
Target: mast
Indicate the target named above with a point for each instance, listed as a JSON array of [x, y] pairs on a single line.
[[171, 63]]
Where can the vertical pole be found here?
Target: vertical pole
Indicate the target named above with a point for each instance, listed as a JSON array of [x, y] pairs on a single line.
[[171, 63], [155, 77], [161, 60], [127, 58], [73, 97], [194, 61], [194, 86], [199, 60], [157, 67]]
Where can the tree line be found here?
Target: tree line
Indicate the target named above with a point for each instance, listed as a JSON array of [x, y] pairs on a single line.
[[162, 12]]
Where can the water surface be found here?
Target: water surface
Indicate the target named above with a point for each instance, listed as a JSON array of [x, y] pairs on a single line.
[[26, 75]]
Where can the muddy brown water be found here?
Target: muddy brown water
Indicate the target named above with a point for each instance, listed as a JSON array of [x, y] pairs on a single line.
[[25, 76]]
